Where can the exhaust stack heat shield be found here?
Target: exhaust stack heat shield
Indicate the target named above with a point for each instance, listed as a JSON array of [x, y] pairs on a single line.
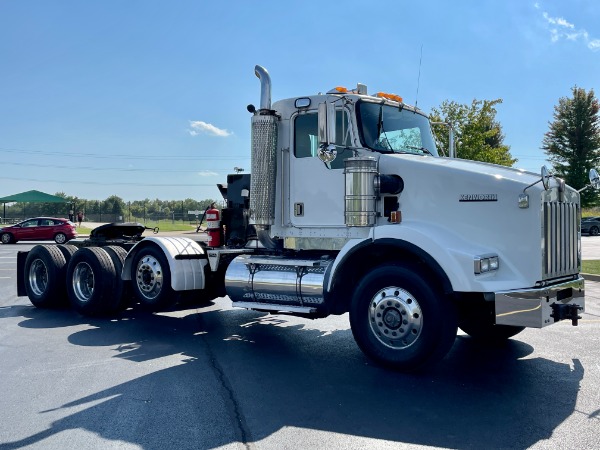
[[264, 170]]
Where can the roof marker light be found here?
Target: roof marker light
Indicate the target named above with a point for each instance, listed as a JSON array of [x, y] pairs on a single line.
[[393, 97]]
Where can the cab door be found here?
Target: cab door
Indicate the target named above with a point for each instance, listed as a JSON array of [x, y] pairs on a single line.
[[316, 188]]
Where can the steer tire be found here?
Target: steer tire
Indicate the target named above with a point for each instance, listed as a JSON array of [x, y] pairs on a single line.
[[44, 276], [594, 231], [477, 319], [151, 279], [92, 282], [399, 318]]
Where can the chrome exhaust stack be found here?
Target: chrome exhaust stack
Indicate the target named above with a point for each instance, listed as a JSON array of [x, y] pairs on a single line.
[[263, 162], [265, 87]]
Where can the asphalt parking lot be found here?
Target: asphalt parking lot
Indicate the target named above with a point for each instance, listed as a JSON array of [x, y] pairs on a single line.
[[219, 377]]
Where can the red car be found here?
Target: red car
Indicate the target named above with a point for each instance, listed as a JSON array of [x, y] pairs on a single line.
[[39, 229]]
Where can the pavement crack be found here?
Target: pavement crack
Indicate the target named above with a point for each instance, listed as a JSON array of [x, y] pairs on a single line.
[[234, 408]]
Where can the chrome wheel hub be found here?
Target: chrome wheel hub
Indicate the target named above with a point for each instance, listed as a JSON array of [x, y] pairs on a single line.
[[395, 317], [149, 277], [38, 277], [83, 282]]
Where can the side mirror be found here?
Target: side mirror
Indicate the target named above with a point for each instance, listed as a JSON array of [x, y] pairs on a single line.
[[594, 179], [545, 177], [326, 124]]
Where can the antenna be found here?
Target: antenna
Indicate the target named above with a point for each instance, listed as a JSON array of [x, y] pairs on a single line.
[[419, 77]]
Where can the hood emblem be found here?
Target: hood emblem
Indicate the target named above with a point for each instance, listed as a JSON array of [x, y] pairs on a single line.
[[478, 198]]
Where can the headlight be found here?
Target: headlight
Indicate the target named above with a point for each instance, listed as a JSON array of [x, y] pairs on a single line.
[[486, 263]]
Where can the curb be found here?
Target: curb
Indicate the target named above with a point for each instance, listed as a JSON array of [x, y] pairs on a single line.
[[590, 277]]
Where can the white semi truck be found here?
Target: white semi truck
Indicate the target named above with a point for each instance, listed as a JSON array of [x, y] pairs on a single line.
[[349, 208]]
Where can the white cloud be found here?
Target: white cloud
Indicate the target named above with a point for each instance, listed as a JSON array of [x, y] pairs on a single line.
[[594, 45], [207, 173], [560, 28], [557, 21], [197, 127]]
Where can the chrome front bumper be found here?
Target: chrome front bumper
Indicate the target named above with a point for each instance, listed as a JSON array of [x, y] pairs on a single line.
[[537, 308]]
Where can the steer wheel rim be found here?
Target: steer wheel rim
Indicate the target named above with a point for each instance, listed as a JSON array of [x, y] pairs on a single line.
[[38, 277], [5, 238], [83, 282], [395, 318], [149, 277]]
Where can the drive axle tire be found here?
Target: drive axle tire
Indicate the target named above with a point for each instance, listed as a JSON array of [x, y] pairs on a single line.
[[594, 231], [92, 282], [151, 277], [123, 289], [45, 269], [67, 250], [400, 320]]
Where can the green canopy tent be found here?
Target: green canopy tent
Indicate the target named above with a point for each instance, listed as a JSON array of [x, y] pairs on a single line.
[[31, 197]]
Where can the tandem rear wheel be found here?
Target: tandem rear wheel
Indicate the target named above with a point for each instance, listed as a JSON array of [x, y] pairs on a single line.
[[151, 279], [93, 283]]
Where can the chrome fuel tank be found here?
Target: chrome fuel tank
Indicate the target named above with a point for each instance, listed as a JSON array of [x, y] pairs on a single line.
[[276, 280]]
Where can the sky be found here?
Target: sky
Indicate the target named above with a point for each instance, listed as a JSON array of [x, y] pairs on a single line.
[[147, 99]]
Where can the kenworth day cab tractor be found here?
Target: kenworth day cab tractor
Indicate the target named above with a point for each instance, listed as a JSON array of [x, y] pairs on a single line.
[[349, 208]]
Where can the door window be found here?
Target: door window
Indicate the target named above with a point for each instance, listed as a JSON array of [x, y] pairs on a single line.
[[306, 141], [30, 223]]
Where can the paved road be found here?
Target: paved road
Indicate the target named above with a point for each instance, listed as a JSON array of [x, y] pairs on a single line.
[[217, 377], [590, 247]]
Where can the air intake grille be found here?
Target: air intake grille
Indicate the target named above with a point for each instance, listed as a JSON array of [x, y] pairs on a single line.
[[561, 237]]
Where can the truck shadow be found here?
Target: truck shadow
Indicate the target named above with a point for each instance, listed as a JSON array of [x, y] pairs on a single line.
[[243, 376]]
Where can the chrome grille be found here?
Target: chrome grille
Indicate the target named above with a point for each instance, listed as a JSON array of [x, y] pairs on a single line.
[[560, 240]]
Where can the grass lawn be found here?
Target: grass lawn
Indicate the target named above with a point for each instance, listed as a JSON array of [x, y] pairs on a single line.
[[170, 226], [591, 266], [162, 226]]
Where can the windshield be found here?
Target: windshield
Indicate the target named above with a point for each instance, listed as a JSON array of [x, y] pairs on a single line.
[[387, 128]]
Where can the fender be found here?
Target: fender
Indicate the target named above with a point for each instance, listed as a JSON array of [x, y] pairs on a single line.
[[438, 247], [455, 255], [186, 259]]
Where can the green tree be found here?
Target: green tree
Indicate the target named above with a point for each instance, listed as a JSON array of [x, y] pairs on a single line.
[[573, 141], [113, 207], [477, 133]]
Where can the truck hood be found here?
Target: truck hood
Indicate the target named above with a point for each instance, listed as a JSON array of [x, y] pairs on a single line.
[[474, 208], [463, 168]]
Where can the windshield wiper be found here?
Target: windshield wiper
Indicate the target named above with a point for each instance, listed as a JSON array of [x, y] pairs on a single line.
[[423, 149]]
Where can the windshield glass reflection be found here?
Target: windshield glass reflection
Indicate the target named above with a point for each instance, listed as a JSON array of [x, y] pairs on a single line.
[[386, 128]]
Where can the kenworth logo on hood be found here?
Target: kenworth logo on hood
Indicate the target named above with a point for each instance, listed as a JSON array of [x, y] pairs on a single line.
[[478, 198]]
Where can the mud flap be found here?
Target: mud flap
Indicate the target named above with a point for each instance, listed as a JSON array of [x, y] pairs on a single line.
[[21, 257]]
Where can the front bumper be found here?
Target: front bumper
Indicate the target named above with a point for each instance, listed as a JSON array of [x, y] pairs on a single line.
[[537, 308]]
